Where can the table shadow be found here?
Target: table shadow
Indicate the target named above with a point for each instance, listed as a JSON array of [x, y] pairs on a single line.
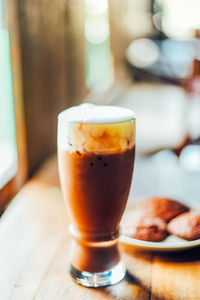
[[137, 282], [123, 291], [184, 256]]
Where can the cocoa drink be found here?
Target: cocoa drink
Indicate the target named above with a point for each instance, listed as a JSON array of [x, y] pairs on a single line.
[[96, 150]]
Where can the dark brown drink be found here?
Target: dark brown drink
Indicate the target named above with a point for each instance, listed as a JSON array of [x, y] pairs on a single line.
[[97, 191], [96, 173]]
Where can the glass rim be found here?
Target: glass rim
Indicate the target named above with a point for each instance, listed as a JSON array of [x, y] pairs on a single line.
[[133, 118], [130, 117]]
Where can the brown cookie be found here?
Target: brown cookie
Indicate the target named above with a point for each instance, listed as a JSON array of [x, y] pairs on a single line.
[[147, 229], [163, 208], [186, 226]]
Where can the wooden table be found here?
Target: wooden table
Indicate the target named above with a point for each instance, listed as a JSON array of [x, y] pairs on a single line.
[[34, 248]]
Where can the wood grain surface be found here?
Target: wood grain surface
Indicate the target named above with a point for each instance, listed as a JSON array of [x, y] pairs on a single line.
[[34, 248]]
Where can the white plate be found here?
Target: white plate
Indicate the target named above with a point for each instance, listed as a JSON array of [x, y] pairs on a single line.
[[171, 243]]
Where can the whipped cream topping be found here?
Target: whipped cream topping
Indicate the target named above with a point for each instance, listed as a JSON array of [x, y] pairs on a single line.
[[91, 113], [96, 128]]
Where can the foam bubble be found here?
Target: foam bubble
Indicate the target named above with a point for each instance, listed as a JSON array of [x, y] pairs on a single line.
[[91, 113]]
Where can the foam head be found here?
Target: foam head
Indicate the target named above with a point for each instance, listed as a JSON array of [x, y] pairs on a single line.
[[89, 127]]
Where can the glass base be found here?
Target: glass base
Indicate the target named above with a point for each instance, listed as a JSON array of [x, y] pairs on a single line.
[[109, 277]]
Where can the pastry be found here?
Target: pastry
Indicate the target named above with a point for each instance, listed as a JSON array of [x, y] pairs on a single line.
[[163, 208], [186, 225], [143, 228]]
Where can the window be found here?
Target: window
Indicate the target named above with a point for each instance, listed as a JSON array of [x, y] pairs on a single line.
[[99, 69], [12, 136], [8, 149]]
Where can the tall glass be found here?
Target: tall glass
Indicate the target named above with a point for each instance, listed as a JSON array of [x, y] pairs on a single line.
[[95, 166]]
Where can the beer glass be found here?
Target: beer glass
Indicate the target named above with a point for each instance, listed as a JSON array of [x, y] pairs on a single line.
[[96, 157]]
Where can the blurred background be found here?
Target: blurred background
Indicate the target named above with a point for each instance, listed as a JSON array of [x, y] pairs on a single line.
[[144, 55]]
